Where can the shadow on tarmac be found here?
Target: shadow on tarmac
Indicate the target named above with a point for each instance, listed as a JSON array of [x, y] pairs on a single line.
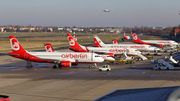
[[147, 68], [143, 94]]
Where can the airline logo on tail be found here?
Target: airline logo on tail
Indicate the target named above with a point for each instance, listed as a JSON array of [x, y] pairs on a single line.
[[14, 44], [71, 42], [134, 37], [49, 49], [75, 46], [97, 43], [115, 41]]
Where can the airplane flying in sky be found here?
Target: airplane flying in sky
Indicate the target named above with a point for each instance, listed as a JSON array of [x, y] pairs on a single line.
[[49, 48], [106, 10], [65, 59], [98, 42], [160, 43], [74, 46]]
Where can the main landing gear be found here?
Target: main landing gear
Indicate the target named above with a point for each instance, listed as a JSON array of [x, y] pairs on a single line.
[[29, 64], [93, 66], [57, 66]]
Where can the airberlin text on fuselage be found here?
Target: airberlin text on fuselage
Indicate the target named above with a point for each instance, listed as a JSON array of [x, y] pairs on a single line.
[[163, 42], [134, 46], [138, 46], [119, 50], [76, 56]]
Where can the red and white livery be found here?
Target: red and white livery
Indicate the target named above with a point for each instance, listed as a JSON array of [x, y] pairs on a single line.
[[159, 43], [49, 48], [74, 46], [126, 37], [98, 42], [115, 41], [65, 59]]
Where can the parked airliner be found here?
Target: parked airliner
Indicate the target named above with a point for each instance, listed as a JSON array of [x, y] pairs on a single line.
[[49, 48], [65, 59], [74, 46], [98, 42], [160, 43]]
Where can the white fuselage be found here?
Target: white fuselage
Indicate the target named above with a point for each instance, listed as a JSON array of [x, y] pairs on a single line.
[[116, 51], [74, 57], [107, 57], [163, 42], [132, 46]]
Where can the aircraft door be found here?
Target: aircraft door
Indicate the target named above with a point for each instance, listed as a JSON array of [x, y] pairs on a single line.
[[91, 58]]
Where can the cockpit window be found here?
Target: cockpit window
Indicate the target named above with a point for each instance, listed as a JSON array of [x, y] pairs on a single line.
[[97, 56]]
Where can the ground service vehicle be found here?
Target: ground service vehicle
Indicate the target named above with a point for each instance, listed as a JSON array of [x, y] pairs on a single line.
[[161, 64], [105, 68]]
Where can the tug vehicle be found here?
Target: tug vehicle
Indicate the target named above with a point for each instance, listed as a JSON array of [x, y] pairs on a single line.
[[105, 68]]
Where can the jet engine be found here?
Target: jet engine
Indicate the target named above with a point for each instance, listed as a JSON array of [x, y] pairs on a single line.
[[66, 63], [74, 64], [160, 45], [110, 54]]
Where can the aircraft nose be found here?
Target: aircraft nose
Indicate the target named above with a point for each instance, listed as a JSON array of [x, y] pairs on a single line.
[[157, 49], [139, 52], [111, 58], [101, 60]]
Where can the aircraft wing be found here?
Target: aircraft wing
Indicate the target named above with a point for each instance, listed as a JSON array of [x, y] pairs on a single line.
[[4, 54], [11, 54]]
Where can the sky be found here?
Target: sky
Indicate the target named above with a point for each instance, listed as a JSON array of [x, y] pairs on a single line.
[[89, 13]]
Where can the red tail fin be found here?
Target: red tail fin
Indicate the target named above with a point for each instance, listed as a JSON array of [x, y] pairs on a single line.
[[74, 46], [48, 47], [135, 38], [16, 46], [115, 41], [96, 43]]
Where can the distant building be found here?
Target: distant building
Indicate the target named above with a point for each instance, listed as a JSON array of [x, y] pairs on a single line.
[[49, 29], [157, 28], [114, 30]]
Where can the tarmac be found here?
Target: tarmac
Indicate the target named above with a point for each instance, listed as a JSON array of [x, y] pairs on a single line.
[[78, 83]]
